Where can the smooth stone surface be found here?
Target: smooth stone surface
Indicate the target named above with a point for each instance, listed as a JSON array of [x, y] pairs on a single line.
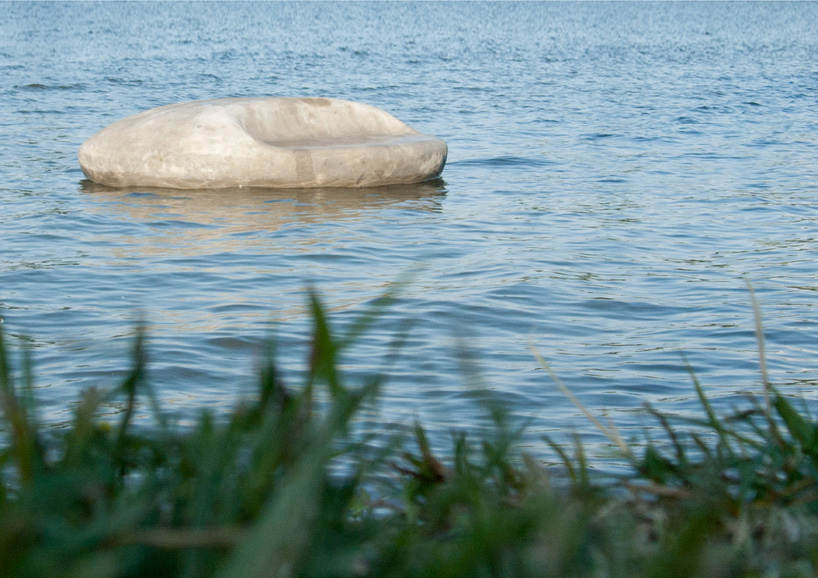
[[261, 142]]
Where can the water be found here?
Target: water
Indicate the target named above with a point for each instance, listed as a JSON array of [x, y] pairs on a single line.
[[616, 173]]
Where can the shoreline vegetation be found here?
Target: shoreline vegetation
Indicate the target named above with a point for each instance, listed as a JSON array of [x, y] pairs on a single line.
[[284, 486]]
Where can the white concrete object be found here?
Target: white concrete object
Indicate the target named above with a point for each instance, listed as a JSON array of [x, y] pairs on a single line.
[[261, 142]]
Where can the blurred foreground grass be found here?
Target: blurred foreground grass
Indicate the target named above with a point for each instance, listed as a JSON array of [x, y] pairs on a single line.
[[260, 492]]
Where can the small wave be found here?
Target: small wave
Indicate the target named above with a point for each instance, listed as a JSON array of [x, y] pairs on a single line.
[[41, 111], [37, 86], [207, 77], [599, 136], [504, 161], [709, 109], [123, 81]]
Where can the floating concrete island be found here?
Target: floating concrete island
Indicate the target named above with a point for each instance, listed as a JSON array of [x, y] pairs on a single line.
[[261, 142]]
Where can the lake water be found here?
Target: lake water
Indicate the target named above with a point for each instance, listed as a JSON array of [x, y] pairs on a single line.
[[616, 173]]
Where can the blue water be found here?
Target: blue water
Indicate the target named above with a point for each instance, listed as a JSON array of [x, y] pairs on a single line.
[[617, 173]]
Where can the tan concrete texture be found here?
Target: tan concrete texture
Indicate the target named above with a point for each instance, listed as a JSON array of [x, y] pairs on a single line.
[[261, 142]]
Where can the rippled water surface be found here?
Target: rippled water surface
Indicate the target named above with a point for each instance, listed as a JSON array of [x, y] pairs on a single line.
[[616, 172]]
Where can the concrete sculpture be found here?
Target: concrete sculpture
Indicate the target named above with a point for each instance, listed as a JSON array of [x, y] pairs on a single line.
[[261, 142]]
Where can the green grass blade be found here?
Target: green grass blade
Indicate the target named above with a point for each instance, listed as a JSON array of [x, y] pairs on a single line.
[[282, 537], [130, 387], [804, 432], [324, 355], [26, 445]]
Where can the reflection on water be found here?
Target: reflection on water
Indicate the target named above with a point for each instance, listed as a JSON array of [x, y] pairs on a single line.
[[206, 221], [210, 269]]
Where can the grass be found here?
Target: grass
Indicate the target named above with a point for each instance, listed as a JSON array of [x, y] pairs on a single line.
[[258, 492]]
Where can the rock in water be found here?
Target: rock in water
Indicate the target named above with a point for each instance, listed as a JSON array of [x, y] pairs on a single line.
[[261, 142]]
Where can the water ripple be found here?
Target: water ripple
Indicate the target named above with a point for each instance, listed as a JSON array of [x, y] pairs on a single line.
[[616, 172]]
